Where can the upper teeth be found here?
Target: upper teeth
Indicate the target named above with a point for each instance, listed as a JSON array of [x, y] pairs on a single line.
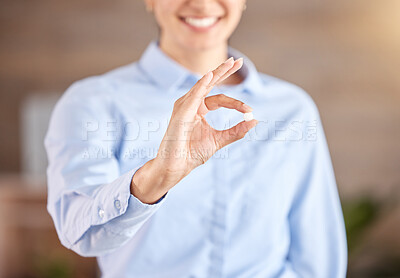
[[201, 22]]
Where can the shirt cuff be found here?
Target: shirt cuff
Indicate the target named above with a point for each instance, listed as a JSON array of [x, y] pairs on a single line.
[[121, 211], [113, 200]]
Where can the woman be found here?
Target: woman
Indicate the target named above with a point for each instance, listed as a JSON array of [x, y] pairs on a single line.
[[138, 177]]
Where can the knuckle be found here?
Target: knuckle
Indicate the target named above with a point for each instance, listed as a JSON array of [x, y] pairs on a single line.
[[241, 135], [181, 100], [218, 74], [219, 96], [241, 132], [239, 104], [198, 83], [178, 103]]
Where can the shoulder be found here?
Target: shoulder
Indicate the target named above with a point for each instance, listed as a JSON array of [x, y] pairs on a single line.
[[99, 91], [99, 86], [90, 100]]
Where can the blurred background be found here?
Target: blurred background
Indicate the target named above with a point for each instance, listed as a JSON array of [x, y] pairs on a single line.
[[345, 53]]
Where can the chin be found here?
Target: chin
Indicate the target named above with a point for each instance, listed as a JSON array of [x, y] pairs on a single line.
[[201, 44]]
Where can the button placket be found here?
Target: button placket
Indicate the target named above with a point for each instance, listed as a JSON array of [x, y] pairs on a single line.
[[219, 216]]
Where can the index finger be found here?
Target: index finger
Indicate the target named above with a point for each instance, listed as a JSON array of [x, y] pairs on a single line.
[[221, 100]]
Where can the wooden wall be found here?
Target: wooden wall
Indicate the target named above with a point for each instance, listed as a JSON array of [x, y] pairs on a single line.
[[344, 53]]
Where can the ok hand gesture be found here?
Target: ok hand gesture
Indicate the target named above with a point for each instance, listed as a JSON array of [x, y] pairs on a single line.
[[189, 140]]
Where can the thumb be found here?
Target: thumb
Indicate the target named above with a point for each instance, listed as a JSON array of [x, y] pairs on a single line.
[[228, 136]]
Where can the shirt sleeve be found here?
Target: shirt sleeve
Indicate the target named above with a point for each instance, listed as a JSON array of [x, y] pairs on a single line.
[[318, 240], [88, 198]]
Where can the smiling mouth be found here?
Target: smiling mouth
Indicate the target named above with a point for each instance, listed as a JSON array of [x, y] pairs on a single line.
[[202, 23]]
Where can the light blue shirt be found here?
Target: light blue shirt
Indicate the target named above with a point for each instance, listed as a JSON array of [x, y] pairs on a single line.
[[264, 206]]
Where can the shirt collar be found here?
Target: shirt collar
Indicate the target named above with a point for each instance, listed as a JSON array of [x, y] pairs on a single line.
[[169, 74]]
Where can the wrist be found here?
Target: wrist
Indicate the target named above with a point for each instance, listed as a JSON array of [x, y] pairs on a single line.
[[149, 184]]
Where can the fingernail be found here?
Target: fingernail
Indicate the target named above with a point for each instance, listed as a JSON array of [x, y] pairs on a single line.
[[247, 107], [255, 124], [230, 59], [208, 76]]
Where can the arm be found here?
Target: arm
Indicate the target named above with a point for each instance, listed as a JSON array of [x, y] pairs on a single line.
[[318, 241], [89, 200]]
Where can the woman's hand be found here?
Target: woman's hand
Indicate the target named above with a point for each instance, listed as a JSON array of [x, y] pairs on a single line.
[[189, 140]]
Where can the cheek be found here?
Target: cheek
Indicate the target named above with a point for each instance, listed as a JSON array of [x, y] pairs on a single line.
[[236, 5], [165, 12], [233, 19], [234, 9]]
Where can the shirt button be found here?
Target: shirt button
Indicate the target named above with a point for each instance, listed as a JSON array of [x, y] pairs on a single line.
[[101, 213], [117, 204]]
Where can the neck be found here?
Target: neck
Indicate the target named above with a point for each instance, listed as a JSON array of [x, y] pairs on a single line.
[[201, 60]]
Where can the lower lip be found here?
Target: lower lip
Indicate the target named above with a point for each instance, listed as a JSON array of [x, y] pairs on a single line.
[[200, 29]]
